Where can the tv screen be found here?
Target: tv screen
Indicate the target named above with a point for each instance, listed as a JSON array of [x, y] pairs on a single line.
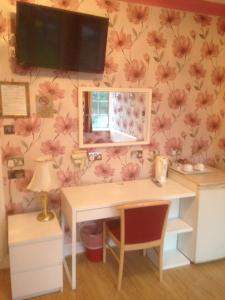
[[54, 38]]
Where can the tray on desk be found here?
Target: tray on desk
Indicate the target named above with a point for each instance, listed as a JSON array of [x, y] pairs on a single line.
[[193, 172]]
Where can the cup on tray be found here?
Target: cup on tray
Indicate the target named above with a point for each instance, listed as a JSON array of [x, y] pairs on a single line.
[[187, 167], [199, 167]]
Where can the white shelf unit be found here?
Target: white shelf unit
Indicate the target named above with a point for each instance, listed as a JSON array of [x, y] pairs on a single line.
[[176, 226]]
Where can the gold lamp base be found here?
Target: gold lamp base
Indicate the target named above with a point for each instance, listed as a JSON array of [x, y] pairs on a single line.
[[45, 215], [42, 217]]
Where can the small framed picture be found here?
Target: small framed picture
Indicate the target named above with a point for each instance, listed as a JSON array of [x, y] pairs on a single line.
[[14, 100], [44, 107]]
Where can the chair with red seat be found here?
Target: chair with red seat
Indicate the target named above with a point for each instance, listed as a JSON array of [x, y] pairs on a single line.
[[141, 226]]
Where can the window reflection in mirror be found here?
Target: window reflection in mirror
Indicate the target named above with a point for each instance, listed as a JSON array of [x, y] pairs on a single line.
[[115, 116]]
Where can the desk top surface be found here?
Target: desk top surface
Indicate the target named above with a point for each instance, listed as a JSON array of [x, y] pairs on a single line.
[[102, 195]]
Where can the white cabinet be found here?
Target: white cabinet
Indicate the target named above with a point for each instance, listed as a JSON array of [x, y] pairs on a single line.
[[36, 256], [206, 215]]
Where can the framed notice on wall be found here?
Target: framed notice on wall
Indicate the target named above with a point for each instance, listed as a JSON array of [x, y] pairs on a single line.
[[14, 100]]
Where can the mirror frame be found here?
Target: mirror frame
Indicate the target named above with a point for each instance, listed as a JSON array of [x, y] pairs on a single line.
[[146, 141]]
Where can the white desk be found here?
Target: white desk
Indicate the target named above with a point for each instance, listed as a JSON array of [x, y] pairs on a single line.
[[99, 201]]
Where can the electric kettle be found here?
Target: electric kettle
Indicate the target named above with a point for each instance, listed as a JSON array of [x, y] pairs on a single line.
[[161, 166]]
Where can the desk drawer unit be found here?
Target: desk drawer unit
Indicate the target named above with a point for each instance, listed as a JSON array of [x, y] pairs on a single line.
[[36, 282], [36, 256]]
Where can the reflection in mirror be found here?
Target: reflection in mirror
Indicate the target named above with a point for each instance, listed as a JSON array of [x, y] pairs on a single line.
[[109, 116]]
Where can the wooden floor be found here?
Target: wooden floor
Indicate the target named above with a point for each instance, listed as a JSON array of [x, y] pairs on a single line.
[[97, 281]]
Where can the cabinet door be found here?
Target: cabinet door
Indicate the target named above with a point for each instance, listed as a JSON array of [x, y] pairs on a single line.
[[210, 243]]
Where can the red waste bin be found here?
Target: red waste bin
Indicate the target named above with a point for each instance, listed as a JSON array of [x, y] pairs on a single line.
[[91, 236]]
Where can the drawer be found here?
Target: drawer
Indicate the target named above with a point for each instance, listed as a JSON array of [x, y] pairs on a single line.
[[98, 213], [36, 282], [36, 255]]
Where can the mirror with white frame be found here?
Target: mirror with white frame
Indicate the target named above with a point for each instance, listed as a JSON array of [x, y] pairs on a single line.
[[114, 116]]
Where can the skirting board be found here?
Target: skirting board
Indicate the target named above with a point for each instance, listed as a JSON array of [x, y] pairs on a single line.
[[80, 248], [68, 248]]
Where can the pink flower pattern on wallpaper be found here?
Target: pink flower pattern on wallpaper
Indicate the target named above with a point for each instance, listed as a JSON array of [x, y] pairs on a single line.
[[51, 90], [137, 13], [65, 125], [218, 76], [197, 70], [180, 55], [209, 50], [27, 127], [153, 146], [156, 95], [68, 177], [177, 99], [104, 170], [164, 73], [221, 144], [156, 40], [116, 152], [131, 171], [53, 148], [204, 100], [192, 120], [134, 70], [161, 124], [213, 123], [181, 46], [199, 146], [170, 18], [203, 20], [221, 25], [120, 40]]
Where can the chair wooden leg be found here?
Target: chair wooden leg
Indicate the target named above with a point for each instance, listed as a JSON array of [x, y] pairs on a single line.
[[104, 242], [144, 252], [121, 263], [160, 263]]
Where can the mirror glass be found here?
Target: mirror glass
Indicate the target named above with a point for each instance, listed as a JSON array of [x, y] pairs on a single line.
[[111, 117]]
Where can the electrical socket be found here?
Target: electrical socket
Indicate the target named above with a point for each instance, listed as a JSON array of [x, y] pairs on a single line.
[[137, 154], [94, 156], [9, 129], [15, 162], [16, 174]]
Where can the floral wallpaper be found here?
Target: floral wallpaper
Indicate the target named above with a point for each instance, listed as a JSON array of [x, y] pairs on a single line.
[[180, 55], [128, 113]]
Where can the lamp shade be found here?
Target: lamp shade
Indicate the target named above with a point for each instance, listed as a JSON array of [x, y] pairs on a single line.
[[44, 178]]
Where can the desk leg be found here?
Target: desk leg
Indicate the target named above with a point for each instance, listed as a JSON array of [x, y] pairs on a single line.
[[74, 262], [63, 231]]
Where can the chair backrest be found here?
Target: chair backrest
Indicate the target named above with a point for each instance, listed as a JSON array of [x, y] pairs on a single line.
[[144, 221]]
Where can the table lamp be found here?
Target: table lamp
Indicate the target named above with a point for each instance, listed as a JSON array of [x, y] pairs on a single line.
[[44, 180]]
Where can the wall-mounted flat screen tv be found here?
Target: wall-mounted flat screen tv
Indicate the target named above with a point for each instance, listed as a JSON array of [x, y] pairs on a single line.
[[54, 38]]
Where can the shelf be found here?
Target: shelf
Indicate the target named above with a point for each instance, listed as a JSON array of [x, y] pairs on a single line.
[[177, 226], [172, 259]]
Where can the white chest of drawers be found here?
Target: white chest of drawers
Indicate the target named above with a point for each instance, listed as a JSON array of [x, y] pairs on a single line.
[[36, 256]]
